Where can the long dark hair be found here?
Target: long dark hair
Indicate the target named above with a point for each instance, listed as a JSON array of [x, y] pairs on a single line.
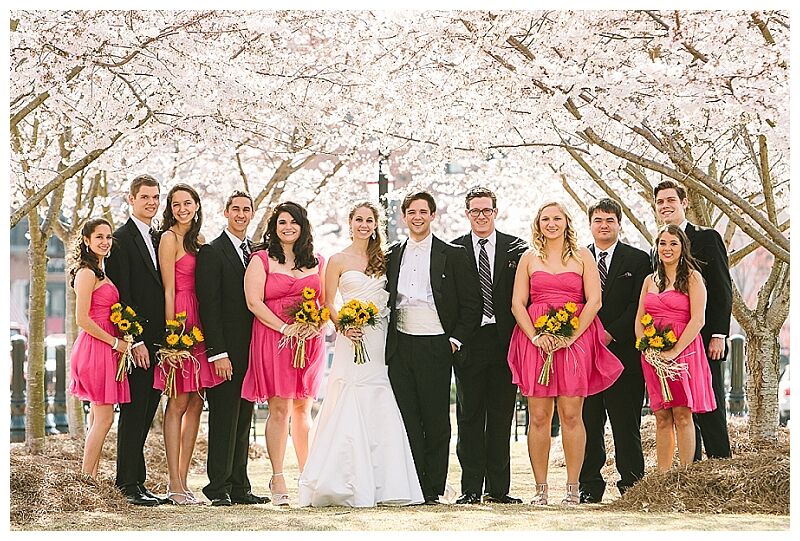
[[304, 246], [82, 255], [376, 253], [686, 263], [190, 242]]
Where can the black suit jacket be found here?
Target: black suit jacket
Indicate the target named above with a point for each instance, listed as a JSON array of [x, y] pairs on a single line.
[[629, 268], [508, 250], [455, 286], [227, 323], [139, 283], [709, 250]]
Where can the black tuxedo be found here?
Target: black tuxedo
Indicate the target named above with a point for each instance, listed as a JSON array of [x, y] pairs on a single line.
[[485, 394], [227, 324], [709, 250], [420, 366], [622, 402], [131, 268]]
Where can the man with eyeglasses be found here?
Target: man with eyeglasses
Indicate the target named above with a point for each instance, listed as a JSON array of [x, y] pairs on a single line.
[[485, 395]]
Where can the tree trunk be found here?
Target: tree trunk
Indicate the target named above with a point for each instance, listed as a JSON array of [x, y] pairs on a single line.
[[74, 404], [763, 355], [35, 385]]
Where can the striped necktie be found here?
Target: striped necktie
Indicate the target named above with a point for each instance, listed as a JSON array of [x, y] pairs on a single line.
[[601, 266], [485, 275], [245, 252]]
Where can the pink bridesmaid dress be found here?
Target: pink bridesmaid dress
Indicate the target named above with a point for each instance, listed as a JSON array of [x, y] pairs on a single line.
[[585, 368], [270, 372], [693, 389], [193, 377], [93, 363]]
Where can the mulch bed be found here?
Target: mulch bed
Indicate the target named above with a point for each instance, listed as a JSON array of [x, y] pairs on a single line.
[[755, 480], [52, 482]]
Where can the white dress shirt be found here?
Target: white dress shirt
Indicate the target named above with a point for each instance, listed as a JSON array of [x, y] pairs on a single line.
[[490, 246], [609, 254], [144, 229], [414, 282]]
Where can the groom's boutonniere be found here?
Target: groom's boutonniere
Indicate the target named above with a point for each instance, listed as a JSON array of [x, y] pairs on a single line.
[[626, 275], [512, 264]]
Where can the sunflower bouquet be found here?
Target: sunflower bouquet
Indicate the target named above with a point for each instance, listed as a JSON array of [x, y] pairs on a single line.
[[179, 341], [356, 314], [129, 324], [560, 323], [307, 319], [655, 341]]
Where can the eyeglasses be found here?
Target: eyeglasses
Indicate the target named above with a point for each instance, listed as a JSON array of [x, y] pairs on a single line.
[[477, 212]]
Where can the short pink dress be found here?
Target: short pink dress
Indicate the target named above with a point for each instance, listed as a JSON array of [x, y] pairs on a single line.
[[585, 368], [93, 363], [193, 377], [270, 372], [693, 389]]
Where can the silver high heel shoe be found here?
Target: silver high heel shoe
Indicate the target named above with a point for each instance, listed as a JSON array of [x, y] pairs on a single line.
[[278, 499]]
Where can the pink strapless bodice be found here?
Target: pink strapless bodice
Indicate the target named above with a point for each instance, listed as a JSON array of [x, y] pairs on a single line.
[[668, 307], [556, 289], [184, 273], [102, 299]]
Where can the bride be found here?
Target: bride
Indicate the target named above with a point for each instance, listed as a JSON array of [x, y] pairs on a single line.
[[359, 453]]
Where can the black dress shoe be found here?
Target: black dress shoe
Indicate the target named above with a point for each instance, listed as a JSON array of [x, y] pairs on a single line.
[[505, 498], [431, 500], [588, 497], [249, 499], [224, 501], [140, 499], [161, 501], [469, 497]]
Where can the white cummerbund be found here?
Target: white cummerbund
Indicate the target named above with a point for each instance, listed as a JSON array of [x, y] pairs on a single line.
[[419, 320]]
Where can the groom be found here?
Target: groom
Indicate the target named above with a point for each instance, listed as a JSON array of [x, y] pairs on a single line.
[[435, 306]]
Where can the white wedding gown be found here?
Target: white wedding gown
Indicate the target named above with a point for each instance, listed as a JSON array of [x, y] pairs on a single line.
[[359, 453]]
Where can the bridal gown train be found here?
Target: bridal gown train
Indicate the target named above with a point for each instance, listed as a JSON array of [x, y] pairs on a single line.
[[359, 452]]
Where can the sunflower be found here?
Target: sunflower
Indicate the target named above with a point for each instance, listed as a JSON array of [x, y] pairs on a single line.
[[670, 336], [173, 324], [187, 341], [649, 331], [172, 339], [562, 316], [301, 316], [657, 342], [309, 293], [575, 322], [124, 325], [372, 308], [197, 334], [180, 315], [129, 311], [138, 327], [116, 306], [541, 321], [116, 317], [308, 306], [642, 343], [646, 320], [325, 314], [571, 307]]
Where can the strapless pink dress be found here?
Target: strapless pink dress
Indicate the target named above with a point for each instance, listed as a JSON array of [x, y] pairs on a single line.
[[93, 363], [693, 388], [585, 368]]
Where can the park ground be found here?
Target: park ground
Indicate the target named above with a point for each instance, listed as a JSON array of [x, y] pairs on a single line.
[[47, 493]]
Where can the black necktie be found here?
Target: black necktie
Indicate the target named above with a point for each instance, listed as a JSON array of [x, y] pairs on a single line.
[[601, 266], [245, 252], [485, 275]]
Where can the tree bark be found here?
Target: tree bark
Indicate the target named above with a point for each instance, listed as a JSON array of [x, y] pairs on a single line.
[[35, 374]]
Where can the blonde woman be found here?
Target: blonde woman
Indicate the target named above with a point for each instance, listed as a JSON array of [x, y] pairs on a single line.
[[555, 273]]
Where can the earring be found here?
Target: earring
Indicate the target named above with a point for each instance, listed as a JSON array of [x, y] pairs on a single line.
[[374, 235]]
